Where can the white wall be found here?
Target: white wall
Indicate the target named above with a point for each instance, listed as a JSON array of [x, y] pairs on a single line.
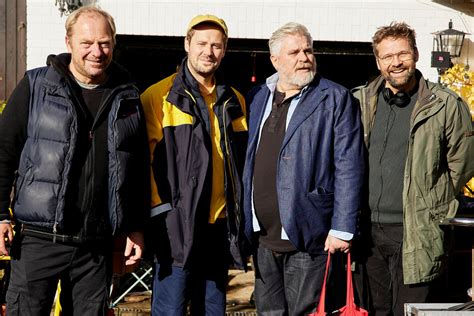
[[328, 20]]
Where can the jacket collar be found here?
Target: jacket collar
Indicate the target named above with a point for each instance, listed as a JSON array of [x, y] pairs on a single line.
[[316, 90], [60, 63], [424, 92], [426, 95], [185, 86], [58, 79]]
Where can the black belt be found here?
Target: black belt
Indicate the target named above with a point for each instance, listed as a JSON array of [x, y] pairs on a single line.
[[37, 232]]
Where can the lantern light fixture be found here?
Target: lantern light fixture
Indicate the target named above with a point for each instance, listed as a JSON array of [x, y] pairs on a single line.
[[447, 44], [449, 40], [66, 7]]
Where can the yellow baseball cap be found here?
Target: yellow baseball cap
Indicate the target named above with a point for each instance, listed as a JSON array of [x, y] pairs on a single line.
[[207, 18]]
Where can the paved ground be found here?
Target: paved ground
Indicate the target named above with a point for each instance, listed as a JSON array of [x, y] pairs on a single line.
[[238, 298], [239, 291]]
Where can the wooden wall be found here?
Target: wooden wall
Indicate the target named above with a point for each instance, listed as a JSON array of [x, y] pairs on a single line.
[[12, 44]]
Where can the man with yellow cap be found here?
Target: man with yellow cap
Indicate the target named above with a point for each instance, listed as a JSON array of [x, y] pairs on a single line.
[[197, 135]]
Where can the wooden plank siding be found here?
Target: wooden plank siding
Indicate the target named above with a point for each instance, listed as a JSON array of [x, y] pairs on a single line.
[[12, 44]]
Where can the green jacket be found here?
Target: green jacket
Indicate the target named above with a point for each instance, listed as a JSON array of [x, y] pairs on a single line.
[[439, 161]]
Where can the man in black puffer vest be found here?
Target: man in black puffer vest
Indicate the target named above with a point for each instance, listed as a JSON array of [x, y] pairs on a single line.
[[73, 143]]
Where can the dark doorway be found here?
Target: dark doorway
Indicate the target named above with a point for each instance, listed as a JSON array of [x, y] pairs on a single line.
[[247, 62]]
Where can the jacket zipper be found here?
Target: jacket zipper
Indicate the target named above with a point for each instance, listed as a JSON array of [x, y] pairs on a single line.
[[227, 151], [408, 166], [89, 188], [73, 105], [55, 229], [195, 104], [365, 117], [89, 167], [229, 164]]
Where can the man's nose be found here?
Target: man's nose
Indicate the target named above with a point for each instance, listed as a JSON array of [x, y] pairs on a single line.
[[208, 50], [96, 50], [396, 60], [302, 56]]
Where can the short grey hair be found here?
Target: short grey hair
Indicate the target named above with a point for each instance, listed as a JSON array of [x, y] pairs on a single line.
[[290, 28]]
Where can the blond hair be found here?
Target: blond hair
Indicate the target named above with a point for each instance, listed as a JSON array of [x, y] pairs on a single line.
[[72, 19]]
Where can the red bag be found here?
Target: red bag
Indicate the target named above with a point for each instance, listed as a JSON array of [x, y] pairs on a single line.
[[350, 309]]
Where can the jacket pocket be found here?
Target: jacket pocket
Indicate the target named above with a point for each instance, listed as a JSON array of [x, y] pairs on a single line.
[[127, 126], [323, 204], [441, 193], [127, 133]]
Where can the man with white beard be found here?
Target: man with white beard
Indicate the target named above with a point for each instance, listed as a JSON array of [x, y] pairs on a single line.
[[303, 175]]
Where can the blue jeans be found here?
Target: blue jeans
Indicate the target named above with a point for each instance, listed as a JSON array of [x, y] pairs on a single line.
[[287, 283], [202, 283]]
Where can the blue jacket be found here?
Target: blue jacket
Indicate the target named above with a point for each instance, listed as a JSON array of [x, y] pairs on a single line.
[[320, 166]]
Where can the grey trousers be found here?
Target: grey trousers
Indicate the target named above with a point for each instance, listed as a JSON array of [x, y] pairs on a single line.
[[287, 283]]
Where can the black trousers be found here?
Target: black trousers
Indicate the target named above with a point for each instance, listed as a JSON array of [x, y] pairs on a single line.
[[36, 267], [385, 274]]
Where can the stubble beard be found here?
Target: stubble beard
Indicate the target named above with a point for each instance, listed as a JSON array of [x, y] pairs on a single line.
[[399, 83], [205, 70]]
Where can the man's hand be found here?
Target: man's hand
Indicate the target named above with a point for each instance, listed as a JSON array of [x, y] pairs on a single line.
[[133, 248], [334, 244], [6, 235]]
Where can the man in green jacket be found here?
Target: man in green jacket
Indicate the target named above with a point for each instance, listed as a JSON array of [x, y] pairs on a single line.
[[419, 142]]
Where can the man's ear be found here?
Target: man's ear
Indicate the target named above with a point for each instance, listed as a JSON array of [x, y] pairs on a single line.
[[274, 60], [377, 62], [416, 55], [186, 45], [68, 43]]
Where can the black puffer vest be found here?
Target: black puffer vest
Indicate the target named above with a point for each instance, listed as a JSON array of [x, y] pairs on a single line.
[[47, 165]]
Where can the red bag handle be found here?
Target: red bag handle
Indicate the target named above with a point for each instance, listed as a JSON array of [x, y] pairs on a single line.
[[322, 299], [349, 290], [350, 308]]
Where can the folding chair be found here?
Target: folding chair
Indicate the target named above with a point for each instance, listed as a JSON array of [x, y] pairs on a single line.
[[141, 276]]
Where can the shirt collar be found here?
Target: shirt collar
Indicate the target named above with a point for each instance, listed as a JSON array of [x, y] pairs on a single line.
[[271, 83]]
